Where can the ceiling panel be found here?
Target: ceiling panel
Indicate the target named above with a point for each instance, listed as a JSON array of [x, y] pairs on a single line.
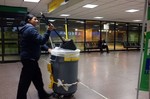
[[13, 3], [109, 9], [74, 7], [140, 1], [98, 11], [2, 2], [41, 7]]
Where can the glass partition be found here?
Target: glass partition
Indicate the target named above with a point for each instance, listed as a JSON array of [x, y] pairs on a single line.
[[134, 35], [76, 32], [92, 35], [121, 35], [60, 29], [140, 34], [107, 32], [92, 30], [11, 45], [9, 36]]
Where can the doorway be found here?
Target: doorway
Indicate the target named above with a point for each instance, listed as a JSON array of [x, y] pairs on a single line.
[[9, 38]]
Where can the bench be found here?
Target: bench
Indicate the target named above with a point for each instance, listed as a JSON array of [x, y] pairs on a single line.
[[91, 45], [131, 44]]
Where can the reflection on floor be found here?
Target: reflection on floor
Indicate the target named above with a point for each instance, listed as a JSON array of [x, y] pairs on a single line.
[[102, 76]]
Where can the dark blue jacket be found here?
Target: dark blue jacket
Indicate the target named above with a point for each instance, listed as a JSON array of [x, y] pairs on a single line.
[[31, 42]]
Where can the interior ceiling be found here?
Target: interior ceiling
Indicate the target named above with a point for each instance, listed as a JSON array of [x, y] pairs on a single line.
[[111, 10]]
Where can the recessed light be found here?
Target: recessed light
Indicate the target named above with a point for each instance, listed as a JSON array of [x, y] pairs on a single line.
[[90, 6], [132, 10], [80, 21], [65, 15], [65, 2], [98, 17], [10, 18], [36, 1], [137, 20], [76, 29], [51, 20]]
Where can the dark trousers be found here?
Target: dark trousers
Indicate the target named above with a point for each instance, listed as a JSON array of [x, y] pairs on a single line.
[[30, 72], [104, 47]]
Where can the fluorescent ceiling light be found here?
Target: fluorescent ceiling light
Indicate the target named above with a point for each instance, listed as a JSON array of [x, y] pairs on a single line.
[[36, 1], [63, 3], [112, 23], [137, 20], [65, 15], [9, 22], [10, 18], [90, 6], [132, 10], [51, 20], [98, 17], [76, 29], [96, 25], [80, 21]]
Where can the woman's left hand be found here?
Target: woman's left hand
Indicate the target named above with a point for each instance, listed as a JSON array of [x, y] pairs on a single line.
[[49, 50]]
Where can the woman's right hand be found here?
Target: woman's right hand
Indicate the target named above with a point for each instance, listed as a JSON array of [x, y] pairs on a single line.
[[51, 27]]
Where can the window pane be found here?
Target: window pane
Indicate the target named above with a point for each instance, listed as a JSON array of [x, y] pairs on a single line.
[[140, 33], [76, 32], [60, 29], [11, 45], [11, 40], [107, 31], [92, 34], [92, 30], [133, 36], [121, 35]]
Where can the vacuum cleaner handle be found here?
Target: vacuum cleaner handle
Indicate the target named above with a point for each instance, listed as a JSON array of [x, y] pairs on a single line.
[[48, 23]]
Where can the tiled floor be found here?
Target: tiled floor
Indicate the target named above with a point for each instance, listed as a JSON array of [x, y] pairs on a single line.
[[102, 76]]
